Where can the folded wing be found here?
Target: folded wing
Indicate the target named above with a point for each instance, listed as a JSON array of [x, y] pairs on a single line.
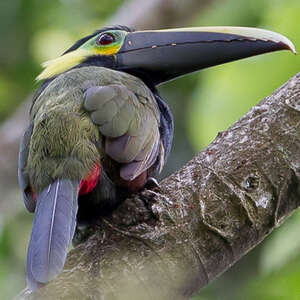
[[130, 122]]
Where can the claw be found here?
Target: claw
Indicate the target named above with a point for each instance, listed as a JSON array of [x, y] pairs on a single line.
[[82, 233], [151, 183]]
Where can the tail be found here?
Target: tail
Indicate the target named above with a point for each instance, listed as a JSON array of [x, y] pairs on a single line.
[[52, 232]]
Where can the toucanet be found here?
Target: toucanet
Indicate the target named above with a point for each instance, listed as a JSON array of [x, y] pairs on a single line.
[[99, 129]]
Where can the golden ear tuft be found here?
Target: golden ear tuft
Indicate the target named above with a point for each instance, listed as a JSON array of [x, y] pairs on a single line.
[[63, 63]]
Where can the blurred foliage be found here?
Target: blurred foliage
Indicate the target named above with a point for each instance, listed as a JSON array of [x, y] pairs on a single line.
[[33, 31]]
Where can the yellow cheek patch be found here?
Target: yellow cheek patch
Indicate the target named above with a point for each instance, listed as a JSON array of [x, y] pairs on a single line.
[[63, 63], [107, 50]]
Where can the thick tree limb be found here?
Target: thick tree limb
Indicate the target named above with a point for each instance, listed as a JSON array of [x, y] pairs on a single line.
[[170, 242]]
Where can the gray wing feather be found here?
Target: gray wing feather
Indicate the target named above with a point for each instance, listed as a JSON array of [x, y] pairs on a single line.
[[141, 163]]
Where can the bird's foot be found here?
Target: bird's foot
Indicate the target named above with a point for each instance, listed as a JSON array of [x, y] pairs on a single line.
[[82, 233], [151, 183]]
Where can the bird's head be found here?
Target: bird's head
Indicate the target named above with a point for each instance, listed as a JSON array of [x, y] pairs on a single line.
[[162, 55]]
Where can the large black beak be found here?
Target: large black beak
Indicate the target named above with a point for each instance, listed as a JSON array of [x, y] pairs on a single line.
[[163, 55]]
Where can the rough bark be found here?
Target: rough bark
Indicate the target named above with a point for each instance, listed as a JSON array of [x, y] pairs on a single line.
[[169, 242], [159, 14]]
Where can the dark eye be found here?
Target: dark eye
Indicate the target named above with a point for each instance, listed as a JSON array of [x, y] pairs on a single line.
[[106, 39]]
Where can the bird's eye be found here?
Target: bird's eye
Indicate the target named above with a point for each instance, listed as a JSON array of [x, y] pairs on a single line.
[[106, 39]]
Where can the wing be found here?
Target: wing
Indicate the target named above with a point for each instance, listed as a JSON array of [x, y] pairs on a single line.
[[22, 173], [130, 122]]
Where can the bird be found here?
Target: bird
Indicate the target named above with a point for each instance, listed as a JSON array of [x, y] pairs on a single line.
[[99, 130]]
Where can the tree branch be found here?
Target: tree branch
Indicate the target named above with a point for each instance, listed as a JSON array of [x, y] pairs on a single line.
[[170, 242]]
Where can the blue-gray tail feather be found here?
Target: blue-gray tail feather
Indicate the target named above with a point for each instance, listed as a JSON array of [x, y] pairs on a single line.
[[53, 229]]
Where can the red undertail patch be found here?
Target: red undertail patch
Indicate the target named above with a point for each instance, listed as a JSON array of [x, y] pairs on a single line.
[[90, 181]]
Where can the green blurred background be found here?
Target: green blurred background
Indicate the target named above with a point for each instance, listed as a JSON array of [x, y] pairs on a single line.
[[33, 31]]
